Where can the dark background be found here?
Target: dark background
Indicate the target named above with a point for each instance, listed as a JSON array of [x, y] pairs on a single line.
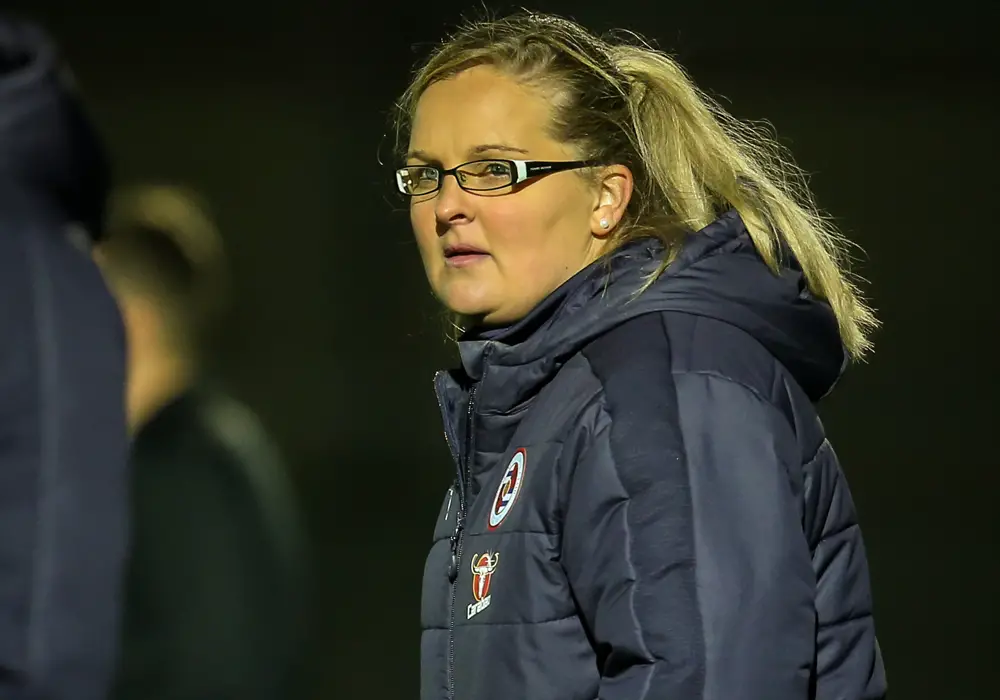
[[278, 113]]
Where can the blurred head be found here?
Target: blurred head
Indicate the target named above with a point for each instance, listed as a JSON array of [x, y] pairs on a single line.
[[629, 147], [163, 260]]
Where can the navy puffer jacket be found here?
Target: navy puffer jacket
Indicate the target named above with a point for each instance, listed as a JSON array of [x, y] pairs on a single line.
[[646, 505]]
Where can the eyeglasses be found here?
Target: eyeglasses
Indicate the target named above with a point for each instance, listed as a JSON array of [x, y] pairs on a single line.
[[480, 175]]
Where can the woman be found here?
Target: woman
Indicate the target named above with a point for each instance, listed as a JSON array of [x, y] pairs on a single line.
[[649, 312]]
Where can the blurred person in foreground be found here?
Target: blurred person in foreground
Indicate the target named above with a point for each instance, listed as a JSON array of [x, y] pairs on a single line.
[[645, 504], [214, 587], [63, 441]]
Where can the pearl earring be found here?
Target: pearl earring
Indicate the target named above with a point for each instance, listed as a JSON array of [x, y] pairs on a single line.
[[604, 223]]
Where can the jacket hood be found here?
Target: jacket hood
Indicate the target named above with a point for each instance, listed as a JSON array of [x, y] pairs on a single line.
[[717, 274], [49, 150]]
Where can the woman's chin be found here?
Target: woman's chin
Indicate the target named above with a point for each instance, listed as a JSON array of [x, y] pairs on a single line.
[[467, 307]]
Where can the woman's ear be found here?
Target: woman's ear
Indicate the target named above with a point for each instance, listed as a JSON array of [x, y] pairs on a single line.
[[613, 195]]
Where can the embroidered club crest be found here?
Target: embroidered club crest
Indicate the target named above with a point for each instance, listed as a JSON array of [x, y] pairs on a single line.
[[510, 487], [483, 566]]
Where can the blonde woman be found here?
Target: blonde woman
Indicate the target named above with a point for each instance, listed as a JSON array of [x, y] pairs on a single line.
[[645, 503]]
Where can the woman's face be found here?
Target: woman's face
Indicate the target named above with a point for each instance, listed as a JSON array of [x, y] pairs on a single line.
[[532, 239]]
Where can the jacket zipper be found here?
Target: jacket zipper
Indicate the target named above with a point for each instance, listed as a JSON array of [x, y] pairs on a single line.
[[456, 538], [461, 485]]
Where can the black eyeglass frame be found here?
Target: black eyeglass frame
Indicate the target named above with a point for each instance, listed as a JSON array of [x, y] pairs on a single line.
[[521, 171]]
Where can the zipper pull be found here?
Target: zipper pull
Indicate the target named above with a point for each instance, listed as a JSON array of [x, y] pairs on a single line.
[[447, 508], [453, 564]]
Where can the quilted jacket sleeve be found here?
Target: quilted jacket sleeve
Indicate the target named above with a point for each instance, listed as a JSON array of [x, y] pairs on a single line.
[[684, 547], [848, 658]]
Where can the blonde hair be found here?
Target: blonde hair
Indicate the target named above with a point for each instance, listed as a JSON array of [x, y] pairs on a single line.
[[625, 102]]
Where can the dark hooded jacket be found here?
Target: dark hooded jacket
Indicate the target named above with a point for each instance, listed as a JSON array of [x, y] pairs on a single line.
[[51, 158], [63, 443], [646, 505]]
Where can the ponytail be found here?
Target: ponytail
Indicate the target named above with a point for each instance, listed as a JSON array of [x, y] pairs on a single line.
[[701, 160]]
